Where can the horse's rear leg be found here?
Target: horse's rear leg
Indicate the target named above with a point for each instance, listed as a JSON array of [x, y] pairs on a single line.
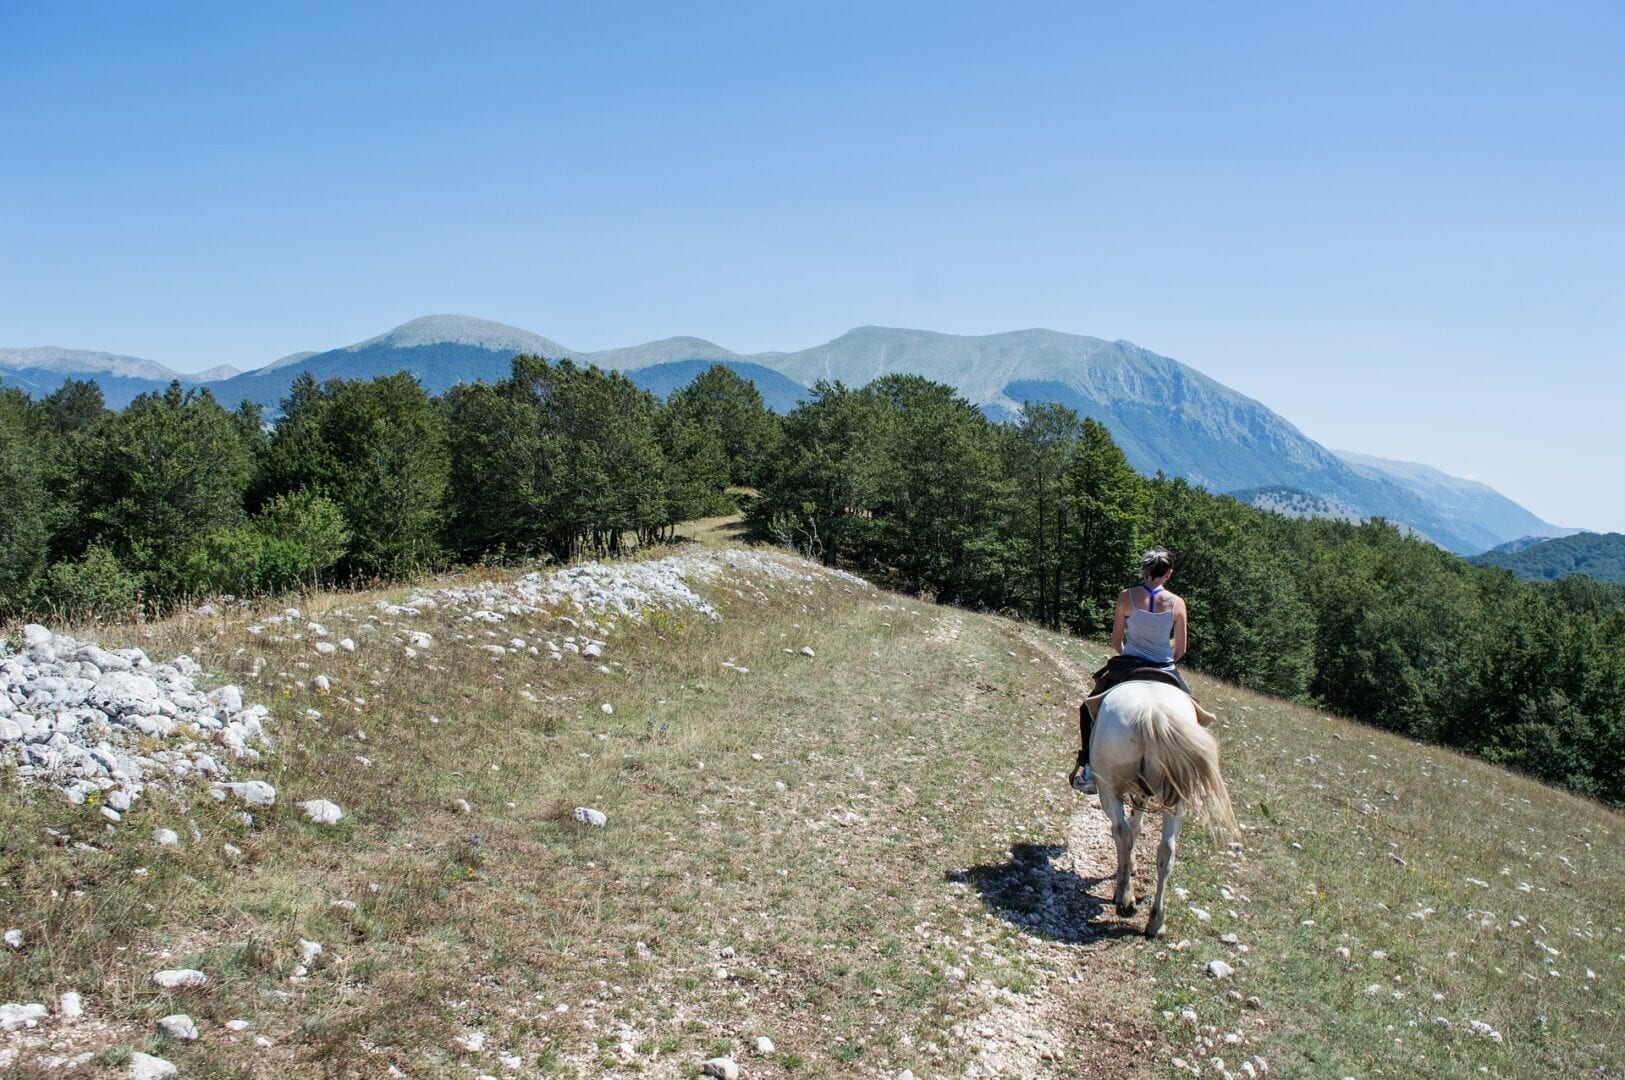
[[1124, 831], [1165, 864]]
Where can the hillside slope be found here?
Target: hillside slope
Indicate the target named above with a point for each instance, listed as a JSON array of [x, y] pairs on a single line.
[[1598, 555], [836, 817]]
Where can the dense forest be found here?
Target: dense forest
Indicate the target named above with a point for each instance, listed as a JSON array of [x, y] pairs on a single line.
[[1598, 555], [109, 513]]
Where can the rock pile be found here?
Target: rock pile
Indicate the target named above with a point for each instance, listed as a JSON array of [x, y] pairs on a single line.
[[83, 719], [598, 593]]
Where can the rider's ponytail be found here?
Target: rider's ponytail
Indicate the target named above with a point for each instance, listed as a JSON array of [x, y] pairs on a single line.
[[1156, 562]]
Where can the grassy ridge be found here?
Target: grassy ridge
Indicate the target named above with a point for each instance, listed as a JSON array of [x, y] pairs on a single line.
[[878, 854]]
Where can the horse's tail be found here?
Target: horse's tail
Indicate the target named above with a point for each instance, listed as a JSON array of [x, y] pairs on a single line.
[[1188, 756]]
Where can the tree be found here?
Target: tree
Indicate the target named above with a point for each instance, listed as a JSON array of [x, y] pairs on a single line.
[[821, 494], [159, 477], [939, 495], [1038, 452], [732, 406], [23, 535], [1110, 514], [384, 441]]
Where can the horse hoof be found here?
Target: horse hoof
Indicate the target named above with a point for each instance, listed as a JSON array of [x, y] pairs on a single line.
[[1126, 911]]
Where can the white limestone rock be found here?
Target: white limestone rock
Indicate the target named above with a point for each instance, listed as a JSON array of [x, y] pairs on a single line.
[[723, 1068], [148, 1067], [588, 816], [178, 1026], [14, 1015], [180, 979], [321, 811]]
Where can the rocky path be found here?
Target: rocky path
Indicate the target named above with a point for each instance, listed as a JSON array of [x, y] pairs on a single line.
[[1062, 1025]]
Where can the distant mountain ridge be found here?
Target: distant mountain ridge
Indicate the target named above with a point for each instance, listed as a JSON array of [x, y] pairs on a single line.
[[1165, 415], [1598, 555]]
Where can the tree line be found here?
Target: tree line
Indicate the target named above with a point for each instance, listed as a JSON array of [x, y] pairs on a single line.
[[177, 496], [1043, 517]]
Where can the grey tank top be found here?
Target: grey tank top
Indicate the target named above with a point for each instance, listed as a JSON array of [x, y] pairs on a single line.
[[1150, 633]]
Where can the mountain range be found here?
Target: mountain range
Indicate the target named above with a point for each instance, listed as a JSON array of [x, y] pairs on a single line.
[[1165, 415]]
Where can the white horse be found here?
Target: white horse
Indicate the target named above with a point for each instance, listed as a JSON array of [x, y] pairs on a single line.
[[1149, 752]]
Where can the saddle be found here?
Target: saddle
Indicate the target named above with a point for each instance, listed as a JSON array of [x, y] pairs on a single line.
[[1112, 675]]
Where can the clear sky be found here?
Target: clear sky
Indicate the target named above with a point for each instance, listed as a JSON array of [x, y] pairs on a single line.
[[1400, 226]]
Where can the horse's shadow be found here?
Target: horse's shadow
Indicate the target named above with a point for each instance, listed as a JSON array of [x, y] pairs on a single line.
[[1033, 894]]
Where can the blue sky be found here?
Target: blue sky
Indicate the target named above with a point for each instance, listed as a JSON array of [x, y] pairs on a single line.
[[1400, 226]]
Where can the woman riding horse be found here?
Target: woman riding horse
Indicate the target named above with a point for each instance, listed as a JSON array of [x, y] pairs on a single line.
[[1148, 631]]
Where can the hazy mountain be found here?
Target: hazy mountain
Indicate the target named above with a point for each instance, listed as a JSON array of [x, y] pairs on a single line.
[[1598, 555], [1512, 547], [1473, 508], [1166, 416], [666, 351], [779, 392], [1295, 502], [214, 374], [441, 350], [77, 363]]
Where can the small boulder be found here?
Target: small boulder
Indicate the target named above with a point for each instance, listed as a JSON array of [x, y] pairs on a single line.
[[14, 1015], [165, 837], [14, 939], [253, 792], [180, 979], [148, 1067], [588, 816], [806, 650], [70, 1006], [1219, 969], [723, 1068], [321, 811], [179, 1026], [764, 1045]]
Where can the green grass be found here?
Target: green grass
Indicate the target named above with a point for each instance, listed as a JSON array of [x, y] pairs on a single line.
[[868, 870]]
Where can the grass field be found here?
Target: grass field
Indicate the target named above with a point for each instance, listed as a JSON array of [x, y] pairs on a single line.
[[867, 855]]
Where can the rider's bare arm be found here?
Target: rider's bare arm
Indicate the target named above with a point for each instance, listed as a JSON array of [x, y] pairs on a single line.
[[1118, 619], [1179, 629]]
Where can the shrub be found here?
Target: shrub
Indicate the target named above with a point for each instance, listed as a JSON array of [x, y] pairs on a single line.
[[97, 586]]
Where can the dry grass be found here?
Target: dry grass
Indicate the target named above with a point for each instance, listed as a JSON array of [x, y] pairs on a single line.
[[874, 844]]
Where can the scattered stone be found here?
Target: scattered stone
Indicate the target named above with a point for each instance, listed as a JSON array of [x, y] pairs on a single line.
[[309, 950], [180, 979], [723, 1068], [588, 816], [1219, 969], [764, 1045], [321, 811], [178, 1026], [14, 939], [166, 837], [70, 1006], [148, 1067], [237, 1025], [473, 1042], [253, 792], [1201, 915], [607, 709], [15, 1015], [806, 650]]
